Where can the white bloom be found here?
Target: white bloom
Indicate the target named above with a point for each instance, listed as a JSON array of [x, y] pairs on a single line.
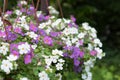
[[34, 46], [97, 41], [4, 50], [23, 2], [48, 30], [74, 40], [57, 52], [54, 58], [99, 53], [66, 31], [42, 25], [86, 26], [90, 47], [24, 78], [1, 22], [48, 61], [43, 76], [73, 30], [24, 48], [61, 60], [12, 57], [6, 66], [52, 10], [81, 35], [18, 12], [59, 66], [84, 76], [32, 35], [38, 13]]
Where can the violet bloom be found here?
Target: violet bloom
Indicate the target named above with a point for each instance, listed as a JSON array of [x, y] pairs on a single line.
[[41, 17], [76, 62], [68, 48], [11, 36], [77, 69], [15, 53], [73, 18], [13, 47], [27, 59], [93, 52], [65, 55], [2, 34], [9, 12], [33, 27], [77, 53], [23, 10], [81, 42], [42, 32], [54, 34], [48, 40], [18, 30]]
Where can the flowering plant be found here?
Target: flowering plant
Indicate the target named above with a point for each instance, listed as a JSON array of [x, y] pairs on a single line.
[[34, 46]]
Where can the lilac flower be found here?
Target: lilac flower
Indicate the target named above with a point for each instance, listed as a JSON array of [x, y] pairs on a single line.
[[81, 42], [27, 59], [65, 55], [33, 27], [13, 47], [73, 18], [54, 34], [68, 48], [15, 53], [10, 36], [18, 30], [42, 32], [2, 34], [77, 69], [76, 62], [41, 17], [9, 12], [48, 40], [77, 53], [93, 52], [23, 10]]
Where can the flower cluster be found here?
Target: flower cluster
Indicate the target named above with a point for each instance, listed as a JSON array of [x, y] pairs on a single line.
[[34, 46]]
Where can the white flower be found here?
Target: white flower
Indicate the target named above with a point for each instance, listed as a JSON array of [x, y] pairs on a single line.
[[34, 46], [61, 60], [18, 12], [73, 30], [4, 50], [74, 40], [6, 66], [23, 2], [97, 41], [32, 35], [86, 26], [38, 13], [48, 61], [57, 52], [84, 76], [24, 48], [54, 58], [1, 22], [42, 25], [81, 35], [43, 76], [12, 57], [24, 78], [52, 10], [59, 66]]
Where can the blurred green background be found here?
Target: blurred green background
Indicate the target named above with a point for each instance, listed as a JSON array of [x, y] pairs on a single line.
[[104, 15]]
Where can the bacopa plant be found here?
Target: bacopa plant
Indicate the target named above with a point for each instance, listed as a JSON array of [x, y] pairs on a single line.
[[34, 46]]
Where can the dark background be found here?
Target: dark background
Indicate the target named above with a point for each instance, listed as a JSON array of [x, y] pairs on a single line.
[[104, 15]]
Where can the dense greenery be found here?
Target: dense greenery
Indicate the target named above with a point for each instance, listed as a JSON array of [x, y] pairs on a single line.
[[104, 16]]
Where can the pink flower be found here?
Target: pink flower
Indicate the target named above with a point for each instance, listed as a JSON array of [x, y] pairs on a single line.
[[27, 59], [48, 40], [93, 53]]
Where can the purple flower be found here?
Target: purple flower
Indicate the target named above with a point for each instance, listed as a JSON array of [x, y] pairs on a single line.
[[23, 10], [10, 36], [65, 55], [68, 47], [73, 18], [18, 30], [15, 53], [77, 69], [9, 12], [41, 17], [81, 42], [54, 34], [33, 27], [48, 40], [93, 52], [2, 34], [27, 59], [42, 32], [77, 53], [76, 62]]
